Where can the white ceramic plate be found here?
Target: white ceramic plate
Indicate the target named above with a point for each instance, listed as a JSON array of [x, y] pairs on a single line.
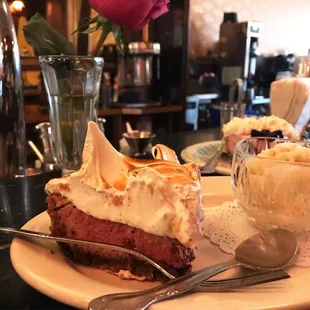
[[201, 153], [47, 270]]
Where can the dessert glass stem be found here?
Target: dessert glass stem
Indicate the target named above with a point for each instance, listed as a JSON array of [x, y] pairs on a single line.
[[72, 84]]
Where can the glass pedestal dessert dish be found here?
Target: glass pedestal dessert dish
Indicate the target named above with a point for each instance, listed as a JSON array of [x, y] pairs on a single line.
[[270, 179]]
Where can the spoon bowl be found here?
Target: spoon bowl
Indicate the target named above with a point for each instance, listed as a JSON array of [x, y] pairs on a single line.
[[271, 249]]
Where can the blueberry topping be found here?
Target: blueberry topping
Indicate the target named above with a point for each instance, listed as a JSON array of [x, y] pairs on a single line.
[[267, 133], [277, 134]]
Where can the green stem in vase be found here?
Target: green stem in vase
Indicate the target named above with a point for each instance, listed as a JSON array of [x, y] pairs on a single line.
[[66, 125], [73, 115]]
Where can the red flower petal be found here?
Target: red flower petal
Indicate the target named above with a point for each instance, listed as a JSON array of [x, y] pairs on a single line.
[[130, 14]]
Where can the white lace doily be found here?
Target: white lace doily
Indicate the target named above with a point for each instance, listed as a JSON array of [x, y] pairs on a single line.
[[227, 226]]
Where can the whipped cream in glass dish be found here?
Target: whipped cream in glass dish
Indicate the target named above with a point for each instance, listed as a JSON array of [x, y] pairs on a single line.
[[270, 179]]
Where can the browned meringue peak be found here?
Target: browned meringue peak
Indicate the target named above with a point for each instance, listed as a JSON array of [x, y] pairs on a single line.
[[161, 151], [174, 172], [104, 167]]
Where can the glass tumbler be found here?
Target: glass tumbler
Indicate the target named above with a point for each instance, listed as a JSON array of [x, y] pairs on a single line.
[[229, 110], [72, 84]]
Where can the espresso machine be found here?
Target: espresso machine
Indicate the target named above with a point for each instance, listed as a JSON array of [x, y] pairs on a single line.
[[238, 55], [138, 76]]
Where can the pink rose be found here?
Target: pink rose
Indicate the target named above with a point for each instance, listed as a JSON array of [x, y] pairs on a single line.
[[130, 14]]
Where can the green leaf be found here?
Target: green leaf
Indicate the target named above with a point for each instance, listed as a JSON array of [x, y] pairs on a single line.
[[106, 29], [81, 28], [45, 40], [118, 35], [100, 19], [85, 27], [92, 29]]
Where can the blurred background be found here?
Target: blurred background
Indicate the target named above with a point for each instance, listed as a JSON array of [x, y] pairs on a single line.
[[178, 70]]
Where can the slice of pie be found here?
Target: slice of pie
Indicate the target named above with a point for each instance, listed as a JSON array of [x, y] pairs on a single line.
[[241, 128], [153, 207]]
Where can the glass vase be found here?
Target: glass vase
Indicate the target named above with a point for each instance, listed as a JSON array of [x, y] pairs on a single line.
[[72, 84]]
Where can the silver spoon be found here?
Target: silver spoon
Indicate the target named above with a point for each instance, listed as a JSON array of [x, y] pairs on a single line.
[[270, 250]]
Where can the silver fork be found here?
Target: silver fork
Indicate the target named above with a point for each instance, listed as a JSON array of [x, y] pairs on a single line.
[[45, 236], [143, 299]]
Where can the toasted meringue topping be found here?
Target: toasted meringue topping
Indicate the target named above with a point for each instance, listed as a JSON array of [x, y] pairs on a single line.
[[115, 174], [159, 196], [163, 152]]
